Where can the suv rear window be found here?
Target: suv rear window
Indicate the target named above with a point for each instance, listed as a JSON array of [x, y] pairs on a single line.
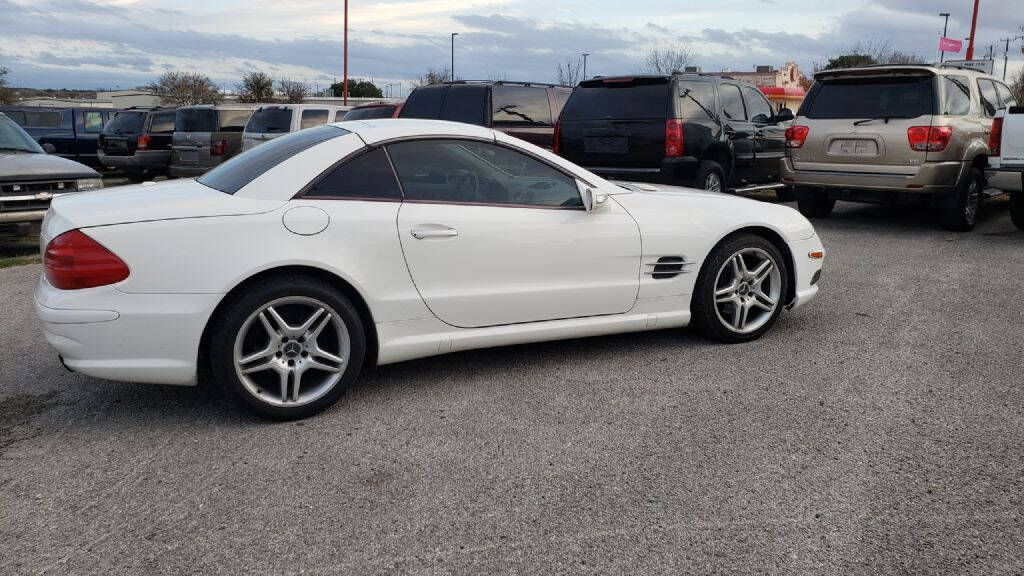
[[234, 174], [424, 102], [272, 119], [895, 97], [618, 99], [195, 120], [126, 122]]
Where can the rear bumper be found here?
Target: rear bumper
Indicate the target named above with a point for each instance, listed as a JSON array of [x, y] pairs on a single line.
[[670, 170], [1007, 179], [187, 171], [141, 160], [932, 178]]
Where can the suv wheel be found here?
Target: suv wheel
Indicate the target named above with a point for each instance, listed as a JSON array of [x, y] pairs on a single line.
[[710, 176], [815, 203], [1017, 209], [963, 213]]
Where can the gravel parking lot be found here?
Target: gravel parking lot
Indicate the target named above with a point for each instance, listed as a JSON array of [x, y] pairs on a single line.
[[880, 429]]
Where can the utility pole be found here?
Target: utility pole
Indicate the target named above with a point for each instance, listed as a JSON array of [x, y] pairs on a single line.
[[344, 86], [942, 53], [454, 34], [974, 25], [585, 54], [1006, 51]]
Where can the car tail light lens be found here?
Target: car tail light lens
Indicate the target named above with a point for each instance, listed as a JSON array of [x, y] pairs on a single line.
[[929, 138], [995, 136], [673, 138], [796, 136], [74, 261], [218, 147], [143, 143], [554, 141]]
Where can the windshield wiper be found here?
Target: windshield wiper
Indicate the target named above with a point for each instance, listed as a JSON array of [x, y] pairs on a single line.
[[686, 94], [887, 117]]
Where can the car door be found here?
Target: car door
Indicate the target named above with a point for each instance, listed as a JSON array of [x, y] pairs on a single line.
[[740, 132], [769, 137], [494, 236]]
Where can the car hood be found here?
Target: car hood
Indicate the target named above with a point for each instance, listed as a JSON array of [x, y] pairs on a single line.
[[657, 202], [33, 166], [174, 199]]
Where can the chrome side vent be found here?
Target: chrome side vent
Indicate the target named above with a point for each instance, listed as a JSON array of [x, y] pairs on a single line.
[[668, 267]]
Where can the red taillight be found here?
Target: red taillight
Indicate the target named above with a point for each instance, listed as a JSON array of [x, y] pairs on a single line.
[[74, 261], [796, 136], [218, 147], [673, 138], [929, 138], [554, 139], [995, 136], [143, 143]]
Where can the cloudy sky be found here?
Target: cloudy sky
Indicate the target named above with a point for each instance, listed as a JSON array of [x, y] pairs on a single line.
[[108, 43]]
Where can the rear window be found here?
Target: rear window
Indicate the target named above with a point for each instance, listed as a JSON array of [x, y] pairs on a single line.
[[233, 120], [465, 103], [126, 122], [195, 120], [895, 97], [312, 118], [232, 175], [370, 113], [272, 119], [520, 105], [615, 98], [696, 100], [424, 102]]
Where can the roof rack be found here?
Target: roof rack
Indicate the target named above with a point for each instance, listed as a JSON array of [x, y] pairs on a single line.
[[505, 82]]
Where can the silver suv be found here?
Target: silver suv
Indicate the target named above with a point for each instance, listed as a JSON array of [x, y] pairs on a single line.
[[885, 134]]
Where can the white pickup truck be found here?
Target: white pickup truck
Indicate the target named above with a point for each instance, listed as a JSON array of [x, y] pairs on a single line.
[[1006, 160]]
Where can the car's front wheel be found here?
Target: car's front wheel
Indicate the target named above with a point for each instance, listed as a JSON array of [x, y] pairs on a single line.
[[741, 289], [1017, 209], [287, 350], [814, 203]]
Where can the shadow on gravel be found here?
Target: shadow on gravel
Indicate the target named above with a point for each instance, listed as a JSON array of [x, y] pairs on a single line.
[[907, 217]]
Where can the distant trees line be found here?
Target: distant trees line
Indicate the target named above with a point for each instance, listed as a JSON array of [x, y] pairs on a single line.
[[178, 88]]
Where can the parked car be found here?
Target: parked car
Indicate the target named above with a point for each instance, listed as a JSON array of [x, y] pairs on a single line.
[[206, 135], [270, 121], [30, 178], [288, 268], [72, 132], [525, 110], [137, 141], [894, 133], [371, 111], [1006, 161], [696, 130]]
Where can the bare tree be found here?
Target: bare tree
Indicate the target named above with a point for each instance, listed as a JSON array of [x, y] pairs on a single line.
[[293, 91], [6, 97], [570, 72], [869, 53], [497, 76], [1017, 86], [185, 89], [667, 60], [434, 77], [256, 86]]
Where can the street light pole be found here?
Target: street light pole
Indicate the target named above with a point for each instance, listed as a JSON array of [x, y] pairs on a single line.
[[585, 54], [942, 53], [974, 25], [454, 34], [344, 80]]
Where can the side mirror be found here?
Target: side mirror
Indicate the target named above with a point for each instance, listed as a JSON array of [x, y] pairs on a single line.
[[49, 148], [591, 198], [784, 115]]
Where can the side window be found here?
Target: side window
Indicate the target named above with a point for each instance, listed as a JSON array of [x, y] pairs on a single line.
[[366, 176], [312, 118], [526, 105], [234, 120], [465, 171], [732, 102], [561, 97], [339, 115], [1005, 96], [18, 117], [93, 121], [956, 96], [465, 103], [989, 98], [760, 109], [425, 102], [162, 123]]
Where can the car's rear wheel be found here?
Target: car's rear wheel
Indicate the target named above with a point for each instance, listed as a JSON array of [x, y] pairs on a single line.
[[785, 195], [287, 350], [741, 289], [815, 203], [710, 176], [961, 215], [1017, 209]]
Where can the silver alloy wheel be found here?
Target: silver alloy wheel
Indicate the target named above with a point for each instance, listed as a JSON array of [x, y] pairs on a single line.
[[712, 182], [291, 351], [748, 289], [971, 202]]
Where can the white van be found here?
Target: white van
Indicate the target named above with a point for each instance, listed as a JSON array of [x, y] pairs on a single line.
[[272, 120]]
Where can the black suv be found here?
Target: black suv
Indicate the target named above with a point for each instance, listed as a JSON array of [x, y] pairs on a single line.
[[138, 142], [708, 132], [526, 110]]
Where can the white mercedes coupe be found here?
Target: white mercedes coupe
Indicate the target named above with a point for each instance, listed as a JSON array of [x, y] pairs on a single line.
[[287, 270]]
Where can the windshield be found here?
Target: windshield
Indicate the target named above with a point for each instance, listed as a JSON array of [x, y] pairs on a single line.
[[196, 120], [369, 113], [272, 119], [618, 99], [864, 98], [126, 122], [12, 137]]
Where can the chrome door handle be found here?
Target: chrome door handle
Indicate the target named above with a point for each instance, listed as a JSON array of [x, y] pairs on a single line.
[[421, 234]]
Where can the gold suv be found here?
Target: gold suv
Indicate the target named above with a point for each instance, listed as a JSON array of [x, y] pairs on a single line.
[[893, 133]]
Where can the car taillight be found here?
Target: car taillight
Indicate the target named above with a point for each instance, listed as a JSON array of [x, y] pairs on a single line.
[[218, 147], [995, 136], [73, 261], [929, 138], [554, 139], [143, 143], [673, 138], [796, 136]]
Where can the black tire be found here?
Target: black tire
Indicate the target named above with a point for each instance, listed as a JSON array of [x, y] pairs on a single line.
[[136, 176], [816, 204], [236, 314], [785, 194], [706, 315], [1017, 209], [961, 215], [708, 170]]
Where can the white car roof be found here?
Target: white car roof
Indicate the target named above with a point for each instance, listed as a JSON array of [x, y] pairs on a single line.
[[379, 130]]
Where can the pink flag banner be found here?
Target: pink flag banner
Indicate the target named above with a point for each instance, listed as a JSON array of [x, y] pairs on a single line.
[[950, 45]]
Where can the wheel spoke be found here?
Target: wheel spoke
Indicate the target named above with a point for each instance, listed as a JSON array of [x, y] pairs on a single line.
[[762, 271], [267, 365], [282, 325], [274, 333], [312, 362], [284, 385], [763, 301], [304, 329], [739, 267], [295, 383], [268, 351], [315, 332], [319, 352], [740, 320]]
